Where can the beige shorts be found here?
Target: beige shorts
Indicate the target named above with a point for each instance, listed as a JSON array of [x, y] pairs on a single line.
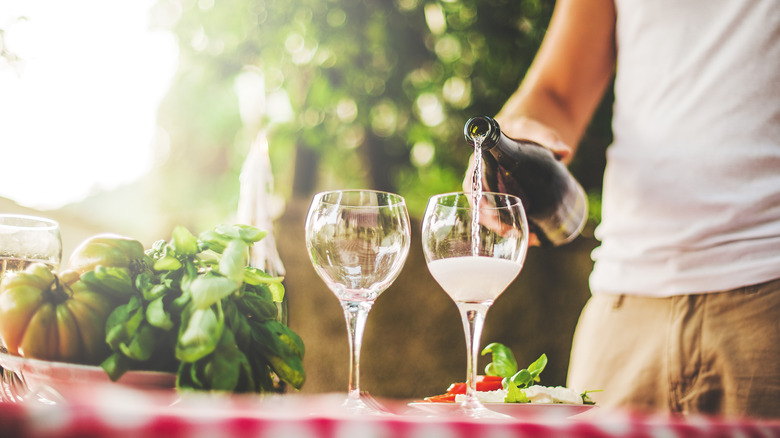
[[715, 353]]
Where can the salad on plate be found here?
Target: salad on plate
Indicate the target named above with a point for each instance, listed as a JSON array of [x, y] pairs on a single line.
[[504, 383]]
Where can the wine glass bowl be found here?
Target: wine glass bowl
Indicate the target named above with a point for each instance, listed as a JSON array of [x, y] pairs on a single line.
[[475, 246], [28, 239], [25, 240], [449, 227], [358, 241]]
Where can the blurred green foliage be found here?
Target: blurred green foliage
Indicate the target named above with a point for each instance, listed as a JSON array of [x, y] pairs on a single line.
[[361, 93]]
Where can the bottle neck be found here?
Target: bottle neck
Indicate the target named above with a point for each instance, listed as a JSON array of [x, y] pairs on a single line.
[[482, 130]]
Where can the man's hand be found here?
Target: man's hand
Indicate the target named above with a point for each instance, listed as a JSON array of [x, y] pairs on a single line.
[[528, 129]]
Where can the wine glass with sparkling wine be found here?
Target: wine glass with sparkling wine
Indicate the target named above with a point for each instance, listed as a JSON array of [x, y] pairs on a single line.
[[475, 245], [358, 241], [25, 240]]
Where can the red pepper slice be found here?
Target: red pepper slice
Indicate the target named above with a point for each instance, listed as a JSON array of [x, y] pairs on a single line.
[[489, 385], [457, 388], [443, 398]]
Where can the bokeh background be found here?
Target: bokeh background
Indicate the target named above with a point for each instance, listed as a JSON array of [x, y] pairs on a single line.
[[348, 94]]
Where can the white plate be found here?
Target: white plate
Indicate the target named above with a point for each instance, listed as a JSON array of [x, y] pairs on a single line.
[[517, 410], [47, 381]]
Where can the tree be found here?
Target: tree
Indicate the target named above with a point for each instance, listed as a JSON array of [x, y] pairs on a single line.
[[362, 93]]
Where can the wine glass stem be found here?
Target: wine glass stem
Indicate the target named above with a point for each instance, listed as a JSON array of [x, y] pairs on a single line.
[[473, 316], [356, 313]]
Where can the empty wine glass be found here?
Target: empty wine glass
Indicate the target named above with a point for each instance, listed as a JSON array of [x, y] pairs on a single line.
[[474, 254], [358, 241]]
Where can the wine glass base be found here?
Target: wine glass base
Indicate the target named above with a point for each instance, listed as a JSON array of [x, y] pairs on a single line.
[[364, 405], [480, 413], [473, 408]]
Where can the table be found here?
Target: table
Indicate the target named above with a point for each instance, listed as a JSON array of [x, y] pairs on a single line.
[[122, 412]]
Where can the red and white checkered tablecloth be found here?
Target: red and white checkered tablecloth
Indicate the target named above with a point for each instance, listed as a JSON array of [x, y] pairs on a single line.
[[125, 413]]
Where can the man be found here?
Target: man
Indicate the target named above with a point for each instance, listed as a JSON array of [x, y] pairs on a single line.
[[685, 307]]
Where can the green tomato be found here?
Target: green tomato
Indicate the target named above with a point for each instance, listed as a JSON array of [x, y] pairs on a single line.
[[45, 316], [109, 250]]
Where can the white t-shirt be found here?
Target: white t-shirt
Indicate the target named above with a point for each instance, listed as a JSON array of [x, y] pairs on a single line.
[[691, 200]]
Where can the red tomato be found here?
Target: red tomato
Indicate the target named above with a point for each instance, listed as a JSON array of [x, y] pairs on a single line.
[[489, 385], [484, 383]]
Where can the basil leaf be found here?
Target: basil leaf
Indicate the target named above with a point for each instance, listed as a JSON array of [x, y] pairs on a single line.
[[586, 400], [184, 242], [185, 377], [154, 291], [223, 370], [200, 335], [522, 378], [234, 260], [537, 367], [250, 234], [123, 323], [167, 263], [115, 366], [525, 377], [257, 277], [289, 369], [209, 288], [157, 316], [503, 364], [247, 233], [114, 281], [515, 394], [258, 307], [142, 344], [210, 240]]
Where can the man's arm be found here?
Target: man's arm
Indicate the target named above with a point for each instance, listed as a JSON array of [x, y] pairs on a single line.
[[566, 81]]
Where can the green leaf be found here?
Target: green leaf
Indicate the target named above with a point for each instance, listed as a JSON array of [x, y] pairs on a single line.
[[503, 364], [526, 377], [123, 323], [515, 394], [234, 260], [251, 234], [211, 240], [110, 280], [167, 263], [141, 345], [157, 316], [277, 291], [247, 233], [586, 400], [180, 302], [200, 336], [289, 369], [184, 375], [258, 277], [283, 349], [209, 288], [257, 307], [223, 369], [522, 378], [184, 242], [537, 367], [154, 291], [115, 366]]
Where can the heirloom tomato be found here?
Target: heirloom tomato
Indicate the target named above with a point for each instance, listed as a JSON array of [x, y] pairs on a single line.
[[51, 317], [109, 250]]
